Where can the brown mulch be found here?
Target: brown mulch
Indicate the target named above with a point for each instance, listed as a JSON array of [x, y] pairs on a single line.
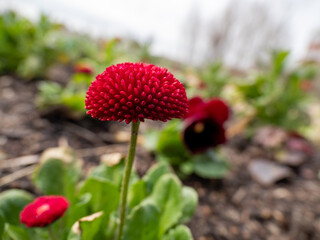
[[239, 208], [234, 208]]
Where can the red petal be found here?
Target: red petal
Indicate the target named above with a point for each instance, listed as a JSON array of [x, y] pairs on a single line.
[[217, 110], [195, 105]]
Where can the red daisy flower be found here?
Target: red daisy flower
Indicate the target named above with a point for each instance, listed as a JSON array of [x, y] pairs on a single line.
[[43, 211], [204, 124], [135, 91]]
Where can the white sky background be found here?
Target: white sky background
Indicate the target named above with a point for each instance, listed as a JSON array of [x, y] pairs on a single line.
[[164, 22]]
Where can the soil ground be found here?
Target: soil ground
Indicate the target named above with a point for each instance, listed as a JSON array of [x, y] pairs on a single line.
[[234, 208]]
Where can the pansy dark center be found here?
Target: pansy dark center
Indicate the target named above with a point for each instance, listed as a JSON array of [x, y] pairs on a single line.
[[203, 134], [199, 127]]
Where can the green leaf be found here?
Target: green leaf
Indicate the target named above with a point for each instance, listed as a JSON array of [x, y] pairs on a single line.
[[190, 201], [81, 79], [171, 146], [279, 58], [137, 193], [151, 139], [58, 172], [210, 165], [104, 195], [154, 174], [30, 66], [181, 232], [49, 94], [16, 232], [11, 203], [2, 223], [86, 228], [78, 209], [186, 168], [49, 177], [74, 101], [74, 235], [109, 231], [167, 194], [143, 222], [111, 173]]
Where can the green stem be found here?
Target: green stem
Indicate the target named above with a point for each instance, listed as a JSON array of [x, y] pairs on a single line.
[[126, 178], [51, 233]]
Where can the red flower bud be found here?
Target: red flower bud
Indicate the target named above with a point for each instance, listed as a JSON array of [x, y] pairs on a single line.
[[306, 85], [135, 91], [204, 124], [83, 68], [43, 211]]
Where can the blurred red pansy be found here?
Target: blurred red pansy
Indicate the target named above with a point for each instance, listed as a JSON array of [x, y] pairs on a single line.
[[136, 91], [306, 85], [298, 143], [204, 124], [43, 211], [83, 68]]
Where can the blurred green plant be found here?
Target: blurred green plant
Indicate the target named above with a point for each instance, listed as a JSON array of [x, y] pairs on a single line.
[[28, 49], [53, 94], [157, 201], [274, 95], [24, 48], [215, 77]]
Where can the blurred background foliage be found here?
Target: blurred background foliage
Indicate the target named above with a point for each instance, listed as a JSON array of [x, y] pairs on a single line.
[[64, 63], [272, 94]]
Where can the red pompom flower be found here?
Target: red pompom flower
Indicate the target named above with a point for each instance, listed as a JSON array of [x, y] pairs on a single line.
[[136, 91], [43, 211], [204, 124]]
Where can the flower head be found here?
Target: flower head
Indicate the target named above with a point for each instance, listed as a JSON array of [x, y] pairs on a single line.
[[204, 124], [135, 91], [43, 211]]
